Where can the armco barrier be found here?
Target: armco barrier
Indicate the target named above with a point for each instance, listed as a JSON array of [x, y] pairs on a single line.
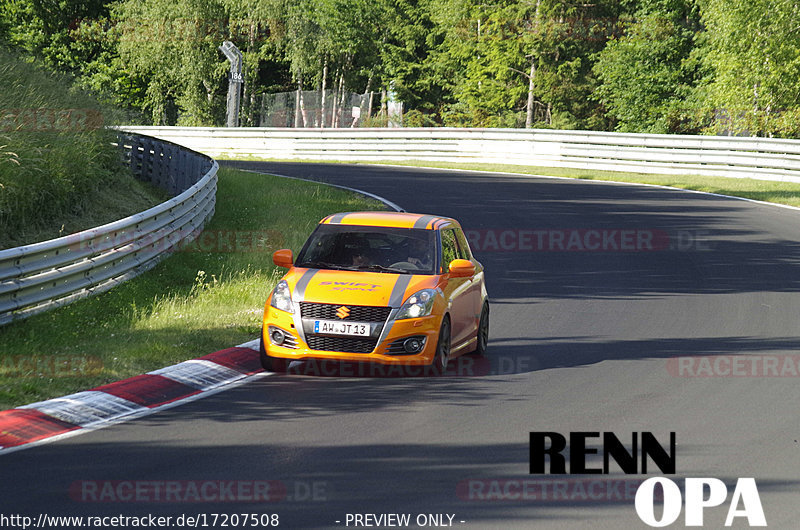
[[760, 158], [43, 275]]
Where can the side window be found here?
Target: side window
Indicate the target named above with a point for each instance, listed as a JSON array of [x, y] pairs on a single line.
[[463, 245], [449, 248]]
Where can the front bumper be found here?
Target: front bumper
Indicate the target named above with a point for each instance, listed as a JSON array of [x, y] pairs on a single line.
[[387, 348]]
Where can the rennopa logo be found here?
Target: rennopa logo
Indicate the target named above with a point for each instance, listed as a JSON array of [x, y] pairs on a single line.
[[744, 502]]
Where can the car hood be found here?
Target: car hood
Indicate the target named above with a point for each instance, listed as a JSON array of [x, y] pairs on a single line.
[[355, 287]]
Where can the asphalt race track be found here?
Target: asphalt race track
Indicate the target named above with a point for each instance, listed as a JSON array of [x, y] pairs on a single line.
[[615, 308]]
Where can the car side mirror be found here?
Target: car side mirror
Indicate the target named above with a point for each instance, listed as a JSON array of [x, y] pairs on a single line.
[[283, 258], [461, 268]]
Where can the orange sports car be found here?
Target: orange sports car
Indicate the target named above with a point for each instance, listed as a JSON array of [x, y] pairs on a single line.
[[381, 287]]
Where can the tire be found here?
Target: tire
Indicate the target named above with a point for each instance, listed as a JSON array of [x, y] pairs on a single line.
[[439, 364], [270, 364], [483, 331]]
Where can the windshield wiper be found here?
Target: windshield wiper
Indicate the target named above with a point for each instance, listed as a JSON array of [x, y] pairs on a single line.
[[381, 268], [334, 266], [321, 265]]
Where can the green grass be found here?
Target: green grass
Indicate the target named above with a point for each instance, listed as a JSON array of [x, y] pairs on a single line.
[[59, 172], [191, 304], [762, 190]]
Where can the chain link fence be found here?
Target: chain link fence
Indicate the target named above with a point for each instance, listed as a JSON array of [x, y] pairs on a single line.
[[329, 109]]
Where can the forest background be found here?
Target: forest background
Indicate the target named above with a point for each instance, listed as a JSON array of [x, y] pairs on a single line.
[[655, 66]]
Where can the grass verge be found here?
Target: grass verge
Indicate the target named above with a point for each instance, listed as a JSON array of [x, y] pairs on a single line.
[[763, 190], [59, 173], [206, 298]]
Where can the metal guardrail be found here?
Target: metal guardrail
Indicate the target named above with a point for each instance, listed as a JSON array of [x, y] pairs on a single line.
[[760, 158], [37, 277]]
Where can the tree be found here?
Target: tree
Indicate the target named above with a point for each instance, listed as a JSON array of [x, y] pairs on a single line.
[[406, 49], [74, 38], [471, 60], [648, 73], [44, 29], [509, 57], [753, 50], [173, 45]]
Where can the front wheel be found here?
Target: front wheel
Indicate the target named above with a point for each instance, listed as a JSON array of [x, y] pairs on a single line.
[[271, 364], [440, 359]]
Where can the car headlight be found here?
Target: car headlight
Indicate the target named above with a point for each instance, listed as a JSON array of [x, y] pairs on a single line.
[[419, 304], [282, 297]]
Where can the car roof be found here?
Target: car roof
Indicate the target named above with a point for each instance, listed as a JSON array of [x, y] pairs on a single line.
[[390, 219]]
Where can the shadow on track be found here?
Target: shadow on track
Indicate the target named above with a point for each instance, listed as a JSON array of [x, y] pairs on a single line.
[[316, 483]]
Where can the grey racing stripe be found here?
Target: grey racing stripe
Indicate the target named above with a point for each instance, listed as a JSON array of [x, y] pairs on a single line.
[[337, 218], [302, 283], [423, 221], [396, 298]]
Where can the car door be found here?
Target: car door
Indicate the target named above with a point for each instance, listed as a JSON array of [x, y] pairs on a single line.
[[475, 290], [457, 291]]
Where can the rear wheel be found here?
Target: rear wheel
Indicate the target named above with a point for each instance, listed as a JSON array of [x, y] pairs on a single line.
[[483, 330], [271, 364], [439, 364]]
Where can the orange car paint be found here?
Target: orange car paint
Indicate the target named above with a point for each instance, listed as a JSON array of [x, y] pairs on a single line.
[[381, 289]]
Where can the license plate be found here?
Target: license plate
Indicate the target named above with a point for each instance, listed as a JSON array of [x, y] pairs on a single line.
[[332, 327]]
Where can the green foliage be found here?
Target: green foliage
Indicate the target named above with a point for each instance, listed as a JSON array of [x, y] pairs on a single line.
[[754, 52], [415, 118], [648, 73], [174, 46], [510, 57], [55, 157], [631, 65], [105, 73], [408, 55], [45, 29], [75, 38], [5, 26]]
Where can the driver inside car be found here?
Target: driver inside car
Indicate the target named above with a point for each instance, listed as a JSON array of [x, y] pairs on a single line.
[[419, 254]]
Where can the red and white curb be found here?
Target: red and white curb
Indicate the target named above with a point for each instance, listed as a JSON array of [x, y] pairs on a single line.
[[105, 405]]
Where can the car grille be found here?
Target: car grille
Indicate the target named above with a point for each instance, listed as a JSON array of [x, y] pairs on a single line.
[[342, 344], [358, 313]]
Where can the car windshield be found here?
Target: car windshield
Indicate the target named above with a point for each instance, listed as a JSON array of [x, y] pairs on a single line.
[[370, 248]]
